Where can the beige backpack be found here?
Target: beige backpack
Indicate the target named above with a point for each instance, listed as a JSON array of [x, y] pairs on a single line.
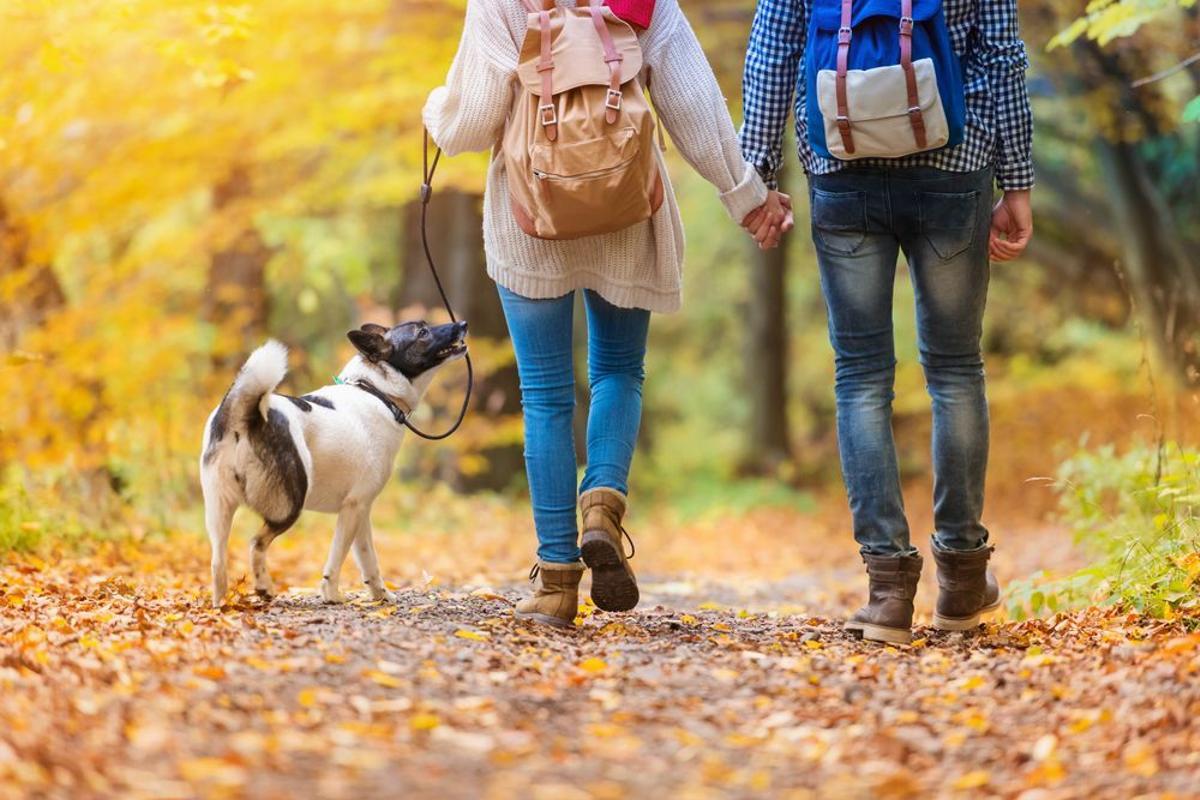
[[579, 145]]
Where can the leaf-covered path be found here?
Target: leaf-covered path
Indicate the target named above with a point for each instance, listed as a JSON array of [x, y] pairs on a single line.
[[116, 679]]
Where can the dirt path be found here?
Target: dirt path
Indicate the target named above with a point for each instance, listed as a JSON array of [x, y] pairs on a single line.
[[115, 679]]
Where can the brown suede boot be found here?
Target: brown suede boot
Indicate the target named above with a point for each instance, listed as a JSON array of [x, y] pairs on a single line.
[[614, 587], [887, 616], [555, 598], [967, 589]]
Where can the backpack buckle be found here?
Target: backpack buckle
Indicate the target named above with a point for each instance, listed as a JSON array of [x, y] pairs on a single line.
[[613, 100], [844, 34], [549, 114], [843, 124], [906, 26]]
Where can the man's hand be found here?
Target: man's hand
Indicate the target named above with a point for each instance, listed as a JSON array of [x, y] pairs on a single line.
[[1012, 226], [770, 221]]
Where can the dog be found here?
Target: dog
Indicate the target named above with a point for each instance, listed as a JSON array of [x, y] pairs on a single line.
[[330, 451]]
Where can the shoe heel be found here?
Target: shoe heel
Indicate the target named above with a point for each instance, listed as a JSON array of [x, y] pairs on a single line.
[[878, 633], [613, 588]]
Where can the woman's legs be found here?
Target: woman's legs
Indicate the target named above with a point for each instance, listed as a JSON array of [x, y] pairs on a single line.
[[541, 335], [616, 371]]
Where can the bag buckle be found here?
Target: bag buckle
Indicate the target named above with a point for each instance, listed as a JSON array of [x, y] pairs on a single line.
[[844, 34], [549, 114], [843, 123], [906, 26], [613, 100]]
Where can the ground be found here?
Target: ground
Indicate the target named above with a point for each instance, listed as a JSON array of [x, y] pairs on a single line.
[[732, 679]]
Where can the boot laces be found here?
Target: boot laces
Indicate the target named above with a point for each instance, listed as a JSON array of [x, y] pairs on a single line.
[[632, 548]]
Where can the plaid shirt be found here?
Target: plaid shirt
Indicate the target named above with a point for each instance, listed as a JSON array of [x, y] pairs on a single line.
[[984, 33]]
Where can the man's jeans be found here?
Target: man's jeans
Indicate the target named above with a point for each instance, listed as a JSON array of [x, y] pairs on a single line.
[[541, 332], [862, 219]]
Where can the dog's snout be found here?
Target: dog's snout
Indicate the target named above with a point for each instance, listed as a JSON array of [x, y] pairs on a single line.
[[461, 327]]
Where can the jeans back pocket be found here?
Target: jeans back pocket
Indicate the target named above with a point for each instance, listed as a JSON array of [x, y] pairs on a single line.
[[949, 221], [839, 220]]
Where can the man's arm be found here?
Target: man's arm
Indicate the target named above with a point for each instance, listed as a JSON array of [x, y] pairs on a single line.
[[1004, 56], [769, 82]]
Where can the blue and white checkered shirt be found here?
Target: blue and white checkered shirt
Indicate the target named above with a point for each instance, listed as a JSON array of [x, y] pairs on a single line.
[[984, 33]]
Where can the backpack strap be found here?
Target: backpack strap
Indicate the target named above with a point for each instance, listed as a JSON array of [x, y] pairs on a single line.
[[915, 117], [612, 104], [843, 64], [547, 111]]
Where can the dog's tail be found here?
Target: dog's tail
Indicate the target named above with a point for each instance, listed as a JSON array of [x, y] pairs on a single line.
[[258, 378]]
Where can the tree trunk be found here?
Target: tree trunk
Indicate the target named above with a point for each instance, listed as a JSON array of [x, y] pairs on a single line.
[[766, 361], [236, 298], [29, 293], [455, 226]]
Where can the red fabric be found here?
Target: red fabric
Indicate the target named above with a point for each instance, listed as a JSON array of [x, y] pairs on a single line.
[[635, 12]]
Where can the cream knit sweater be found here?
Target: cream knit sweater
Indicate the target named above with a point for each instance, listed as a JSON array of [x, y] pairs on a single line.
[[641, 266]]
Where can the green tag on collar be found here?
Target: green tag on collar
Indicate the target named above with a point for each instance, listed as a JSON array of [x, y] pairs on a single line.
[[337, 379]]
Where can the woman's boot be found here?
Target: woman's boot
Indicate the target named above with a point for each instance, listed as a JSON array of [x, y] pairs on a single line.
[[888, 614], [614, 587], [555, 599], [967, 589]]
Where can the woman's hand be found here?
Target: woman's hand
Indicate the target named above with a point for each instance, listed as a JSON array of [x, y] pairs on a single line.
[[770, 221]]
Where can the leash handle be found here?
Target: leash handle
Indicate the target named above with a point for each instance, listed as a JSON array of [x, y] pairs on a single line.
[[427, 171]]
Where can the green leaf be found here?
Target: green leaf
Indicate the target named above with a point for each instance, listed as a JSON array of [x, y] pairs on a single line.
[[1191, 112]]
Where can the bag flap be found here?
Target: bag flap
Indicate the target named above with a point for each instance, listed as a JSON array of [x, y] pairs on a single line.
[[577, 52], [877, 93], [827, 14]]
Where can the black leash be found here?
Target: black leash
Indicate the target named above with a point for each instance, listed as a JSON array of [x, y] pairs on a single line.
[[427, 170]]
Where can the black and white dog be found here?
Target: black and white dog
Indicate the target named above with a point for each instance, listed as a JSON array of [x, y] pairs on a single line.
[[329, 451]]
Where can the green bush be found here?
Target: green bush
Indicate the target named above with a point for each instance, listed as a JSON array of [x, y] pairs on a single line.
[[1139, 514]]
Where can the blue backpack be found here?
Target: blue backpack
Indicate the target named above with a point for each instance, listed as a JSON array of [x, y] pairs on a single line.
[[883, 79]]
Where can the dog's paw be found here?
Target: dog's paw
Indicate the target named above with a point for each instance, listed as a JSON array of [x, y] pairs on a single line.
[[331, 594], [379, 594]]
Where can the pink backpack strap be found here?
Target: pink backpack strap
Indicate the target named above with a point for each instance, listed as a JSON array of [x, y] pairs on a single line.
[[612, 104]]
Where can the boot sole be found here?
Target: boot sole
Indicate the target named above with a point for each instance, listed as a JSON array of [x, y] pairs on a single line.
[[963, 623], [546, 619], [880, 633], [613, 588]]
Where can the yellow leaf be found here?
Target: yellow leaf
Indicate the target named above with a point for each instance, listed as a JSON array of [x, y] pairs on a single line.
[[975, 779], [594, 665], [813, 644], [383, 679], [211, 671], [335, 658], [307, 697], [473, 635], [1140, 759], [422, 721], [721, 626], [688, 619], [709, 605]]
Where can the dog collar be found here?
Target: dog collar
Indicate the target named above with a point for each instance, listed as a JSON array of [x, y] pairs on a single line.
[[398, 413]]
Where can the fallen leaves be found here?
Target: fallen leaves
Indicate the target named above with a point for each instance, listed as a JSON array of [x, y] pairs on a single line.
[[162, 696]]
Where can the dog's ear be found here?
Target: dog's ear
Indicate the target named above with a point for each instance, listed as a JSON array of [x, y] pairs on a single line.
[[371, 327], [373, 346]]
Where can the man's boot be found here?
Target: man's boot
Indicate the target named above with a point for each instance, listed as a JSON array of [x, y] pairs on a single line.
[[967, 589], [555, 599], [888, 614], [614, 587]]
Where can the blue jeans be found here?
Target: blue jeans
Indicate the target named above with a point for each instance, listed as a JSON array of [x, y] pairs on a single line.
[[541, 336], [862, 218]]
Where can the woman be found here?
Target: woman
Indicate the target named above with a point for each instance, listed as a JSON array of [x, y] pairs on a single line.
[[624, 275]]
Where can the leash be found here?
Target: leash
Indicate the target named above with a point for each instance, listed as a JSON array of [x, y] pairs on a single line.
[[427, 171]]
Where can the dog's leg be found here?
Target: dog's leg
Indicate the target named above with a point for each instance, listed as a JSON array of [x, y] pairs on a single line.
[[258, 561], [368, 562], [218, 519], [348, 522]]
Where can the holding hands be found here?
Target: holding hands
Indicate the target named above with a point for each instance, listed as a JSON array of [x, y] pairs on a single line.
[[770, 221]]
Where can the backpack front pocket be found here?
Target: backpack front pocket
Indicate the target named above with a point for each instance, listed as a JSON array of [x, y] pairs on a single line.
[[878, 111], [585, 181]]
